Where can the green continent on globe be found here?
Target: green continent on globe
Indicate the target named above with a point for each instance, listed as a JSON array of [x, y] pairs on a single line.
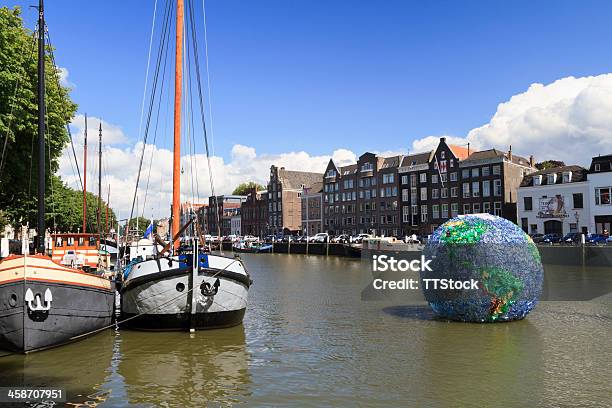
[[461, 232], [503, 287]]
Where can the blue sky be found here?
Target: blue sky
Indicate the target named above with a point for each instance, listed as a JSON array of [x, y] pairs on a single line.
[[321, 75]]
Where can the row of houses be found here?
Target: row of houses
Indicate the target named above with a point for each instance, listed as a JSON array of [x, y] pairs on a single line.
[[413, 194]]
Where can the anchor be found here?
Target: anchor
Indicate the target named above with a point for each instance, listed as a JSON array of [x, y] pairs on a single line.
[[38, 307]]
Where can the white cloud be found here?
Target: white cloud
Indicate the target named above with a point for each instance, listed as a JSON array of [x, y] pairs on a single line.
[[567, 120], [431, 142], [111, 134], [121, 163], [63, 78]]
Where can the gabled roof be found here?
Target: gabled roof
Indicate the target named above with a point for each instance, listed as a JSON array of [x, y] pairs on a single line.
[[605, 164], [578, 174], [493, 153], [460, 152], [417, 158], [296, 179]]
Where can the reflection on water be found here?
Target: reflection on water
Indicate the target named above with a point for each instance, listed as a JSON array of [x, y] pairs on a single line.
[[309, 340]]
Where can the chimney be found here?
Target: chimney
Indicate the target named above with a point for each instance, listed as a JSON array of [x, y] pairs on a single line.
[[442, 139], [510, 153], [531, 161]]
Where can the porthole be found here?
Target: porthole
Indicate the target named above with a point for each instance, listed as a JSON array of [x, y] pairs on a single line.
[[180, 286], [13, 300]]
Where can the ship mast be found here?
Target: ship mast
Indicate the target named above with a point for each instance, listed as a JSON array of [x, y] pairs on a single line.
[[85, 178], [100, 182], [41, 128], [178, 81]]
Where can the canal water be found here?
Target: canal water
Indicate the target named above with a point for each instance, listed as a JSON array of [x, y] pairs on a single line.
[[309, 340]]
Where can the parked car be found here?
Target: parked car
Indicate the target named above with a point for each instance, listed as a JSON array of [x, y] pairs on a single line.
[[537, 237], [359, 238], [596, 239], [342, 239], [321, 237], [551, 238], [572, 238]]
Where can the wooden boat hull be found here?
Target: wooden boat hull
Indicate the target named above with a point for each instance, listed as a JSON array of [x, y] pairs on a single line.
[[44, 305], [156, 297]]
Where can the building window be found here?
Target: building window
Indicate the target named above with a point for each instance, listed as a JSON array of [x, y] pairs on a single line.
[[497, 170], [404, 180], [466, 208], [413, 180], [573, 227], [454, 209], [454, 191], [435, 211], [551, 178], [497, 187], [486, 188], [475, 189], [366, 167], [423, 193], [434, 193], [485, 171], [423, 213], [486, 207], [476, 208], [466, 190], [524, 223], [497, 208], [434, 178], [405, 194], [423, 177], [602, 196], [444, 211], [475, 172], [442, 154], [528, 203], [533, 228], [444, 192], [415, 209], [597, 167], [453, 176], [465, 173], [537, 180], [405, 213], [443, 177], [578, 200], [567, 176]]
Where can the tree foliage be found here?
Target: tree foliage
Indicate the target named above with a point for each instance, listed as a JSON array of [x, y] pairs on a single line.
[[245, 188], [19, 119], [548, 164]]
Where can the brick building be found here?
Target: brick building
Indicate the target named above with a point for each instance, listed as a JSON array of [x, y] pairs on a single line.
[[254, 212], [219, 213], [453, 180], [312, 210], [284, 198], [362, 197]]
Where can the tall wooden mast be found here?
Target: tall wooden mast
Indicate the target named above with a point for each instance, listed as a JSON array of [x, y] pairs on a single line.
[[178, 82], [41, 129], [100, 181], [85, 178]]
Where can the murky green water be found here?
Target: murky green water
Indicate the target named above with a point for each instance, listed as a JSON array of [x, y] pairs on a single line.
[[309, 340]]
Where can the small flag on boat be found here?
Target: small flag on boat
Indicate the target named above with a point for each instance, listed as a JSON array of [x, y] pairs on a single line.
[[149, 230]]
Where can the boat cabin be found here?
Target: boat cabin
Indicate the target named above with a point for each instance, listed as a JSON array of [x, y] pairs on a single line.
[[76, 250]]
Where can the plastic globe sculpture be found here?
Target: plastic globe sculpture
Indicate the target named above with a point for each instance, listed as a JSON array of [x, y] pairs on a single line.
[[495, 252]]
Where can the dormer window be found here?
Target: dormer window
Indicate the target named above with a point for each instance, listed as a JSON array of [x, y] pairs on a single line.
[[567, 176], [597, 167], [552, 178], [537, 180], [366, 167]]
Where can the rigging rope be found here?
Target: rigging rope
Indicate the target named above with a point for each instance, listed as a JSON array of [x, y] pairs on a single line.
[[202, 114]]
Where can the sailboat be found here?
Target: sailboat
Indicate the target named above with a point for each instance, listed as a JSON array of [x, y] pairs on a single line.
[[185, 289], [43, 303]]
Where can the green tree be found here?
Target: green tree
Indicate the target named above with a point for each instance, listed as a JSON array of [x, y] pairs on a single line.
[[3, 221], [548, 164], [245, 188], [19, 118]]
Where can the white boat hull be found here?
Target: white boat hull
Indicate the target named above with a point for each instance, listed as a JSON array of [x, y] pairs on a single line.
[[156, 295]]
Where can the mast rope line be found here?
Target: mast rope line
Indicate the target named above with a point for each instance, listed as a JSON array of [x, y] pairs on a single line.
[[202, 113], [17, 86], [163, 37], [52, 55], [148, 311]]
